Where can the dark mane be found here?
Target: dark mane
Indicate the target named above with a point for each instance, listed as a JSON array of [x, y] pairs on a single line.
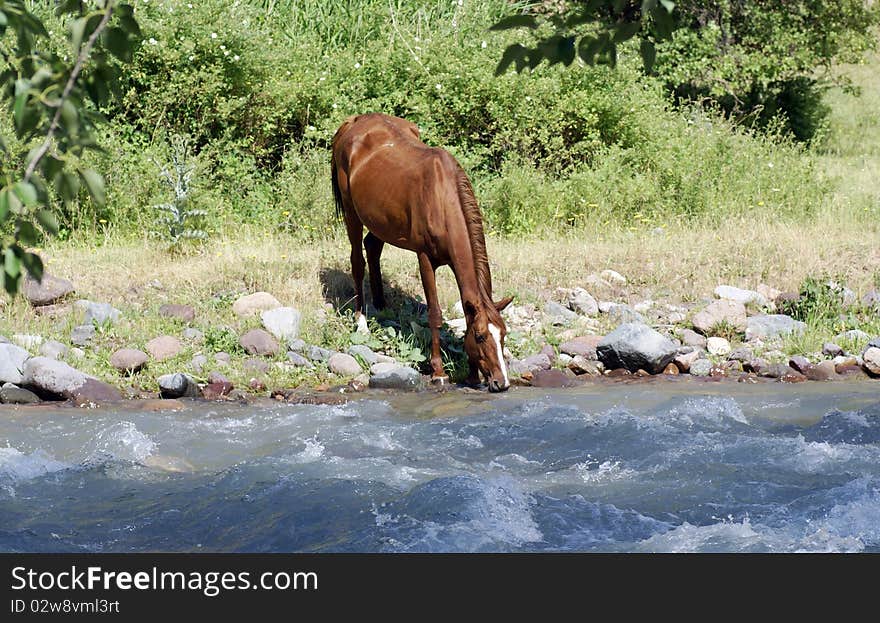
[[474, 221]]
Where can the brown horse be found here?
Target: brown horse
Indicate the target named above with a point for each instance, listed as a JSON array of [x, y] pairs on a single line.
[[418, 198]]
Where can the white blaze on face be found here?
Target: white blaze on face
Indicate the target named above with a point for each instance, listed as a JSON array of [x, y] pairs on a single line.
[[496, 335]]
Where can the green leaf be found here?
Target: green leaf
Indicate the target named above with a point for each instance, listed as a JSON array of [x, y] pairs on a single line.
[[648, 6], [670, 6], [649, 54], [590, 47], [117, 42], [70, 116], [26, 192], [48, 221], [33, 263], [515, 21], [77, 30], [11, 261], [4, 204], [95, 185], [67, 185], [626, 31], [27, 233]]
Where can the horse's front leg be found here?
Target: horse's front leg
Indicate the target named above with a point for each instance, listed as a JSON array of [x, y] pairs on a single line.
[[435, 317]]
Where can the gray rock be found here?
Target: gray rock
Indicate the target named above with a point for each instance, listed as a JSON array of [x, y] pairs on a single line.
[[393, 376], [557, 314], [718, 346], [255, 366], [12, 360], [184, 313], [854, 335], [722, 311], [76, 353], [198, 362], [701, 367], [613, 277], [871, 299], [297, 345], [216, 377], [53, 349], [343, 364], [741, 296], [99, 313], [873, 343], [252, 304], [800, 363], [540, 361], [636, 346], [94, 392], [683, 361], [282, 322], [364, 352], [871, 360], [52, 376], [580, 301], [581, 365], [177, 386], [742, 354], [692, 338], [193, 335], [316, 353], [221, 356], [48, 291], [164, 347], [830, 349], [258, 342], [619, 313], [129, 360], [4, 339], [298, 360], [585, 346], [772, 325], [13, 395], [458, 326], [82, 335], [27, 341]]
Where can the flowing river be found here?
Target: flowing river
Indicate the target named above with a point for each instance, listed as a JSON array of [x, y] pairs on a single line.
[[672, 466]]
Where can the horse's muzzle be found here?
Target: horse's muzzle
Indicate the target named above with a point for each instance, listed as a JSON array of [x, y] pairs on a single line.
[[496, 386]]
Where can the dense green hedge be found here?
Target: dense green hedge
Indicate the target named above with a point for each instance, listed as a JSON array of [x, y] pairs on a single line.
[[260, 87]]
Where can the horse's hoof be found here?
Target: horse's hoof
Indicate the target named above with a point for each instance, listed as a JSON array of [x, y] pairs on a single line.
[[440, 381]]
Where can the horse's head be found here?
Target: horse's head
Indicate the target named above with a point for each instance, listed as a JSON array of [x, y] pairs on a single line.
[[484, 344]]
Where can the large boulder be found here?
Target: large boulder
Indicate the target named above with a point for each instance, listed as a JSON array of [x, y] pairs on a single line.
[[722, 311], [52, 377], [47, 291], [282, 322], [636, 346], [772, 325], [12, 360]]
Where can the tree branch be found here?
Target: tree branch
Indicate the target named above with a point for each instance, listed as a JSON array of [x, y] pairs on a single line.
[[84, 53]]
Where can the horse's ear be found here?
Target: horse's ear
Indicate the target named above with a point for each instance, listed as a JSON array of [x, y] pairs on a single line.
[[500, 305]]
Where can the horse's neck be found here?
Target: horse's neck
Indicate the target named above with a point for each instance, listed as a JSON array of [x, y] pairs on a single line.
[[464, 265]]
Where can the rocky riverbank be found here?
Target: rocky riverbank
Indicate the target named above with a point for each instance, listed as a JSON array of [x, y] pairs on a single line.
[[571, 336]]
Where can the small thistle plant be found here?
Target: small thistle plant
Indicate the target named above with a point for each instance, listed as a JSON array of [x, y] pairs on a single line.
[[179, 222]]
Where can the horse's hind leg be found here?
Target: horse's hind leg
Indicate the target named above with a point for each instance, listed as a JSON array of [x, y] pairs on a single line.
[[355, 230], [374, 252]]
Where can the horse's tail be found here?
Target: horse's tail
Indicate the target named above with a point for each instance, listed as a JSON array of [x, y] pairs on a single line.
[[334, 170]]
